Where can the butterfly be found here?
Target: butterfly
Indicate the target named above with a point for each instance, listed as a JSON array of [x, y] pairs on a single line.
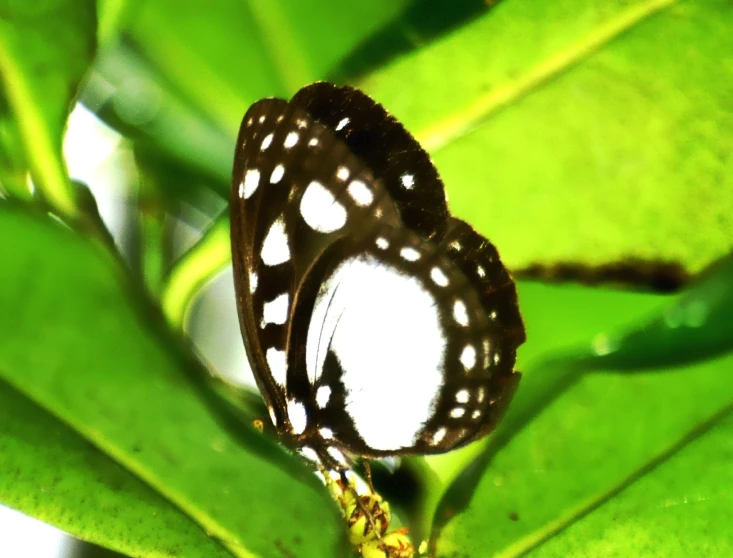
[[376, 324]]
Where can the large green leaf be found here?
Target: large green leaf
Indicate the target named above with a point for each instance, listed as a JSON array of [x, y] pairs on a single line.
[[226, 55], [586, 131], [45, 48], [82, 346], [53, 474]]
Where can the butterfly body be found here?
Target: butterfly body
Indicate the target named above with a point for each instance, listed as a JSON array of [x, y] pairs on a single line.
[[376, 323]]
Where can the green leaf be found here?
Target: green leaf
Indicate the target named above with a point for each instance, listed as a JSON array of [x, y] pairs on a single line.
[[696, 326], [573, 443], [588, 131], [53, 474], [87, 349], [243, 51], [667, 512], [45, 48]]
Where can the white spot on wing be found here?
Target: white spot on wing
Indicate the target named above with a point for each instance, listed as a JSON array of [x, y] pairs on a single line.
[[277, 362], [297, 415], [438, 277], [252, 282], [459, 313], [476, 414], [275, 249], [249, 184], [439, 435], [300, 123], [322, 396], [342, 173], [410, 254], [266, 142], [468, 357], [310, 454], [273, 416], [462, 396], [408, 181], [276, 311], [277, 174], [457, 412], [262, 119], [313, 142], [326, 433], [364, 294], [360, 193], [342, 124], [481, 271], [480, 395], [382, 243], [291, 139], [337, 455], [320, 210]]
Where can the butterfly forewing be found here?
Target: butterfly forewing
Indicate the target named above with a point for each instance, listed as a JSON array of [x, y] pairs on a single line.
[[384, 145], [296, 189], [376, 323]]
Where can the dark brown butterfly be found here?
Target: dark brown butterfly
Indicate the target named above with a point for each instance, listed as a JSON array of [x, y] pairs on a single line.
[[375, 322]]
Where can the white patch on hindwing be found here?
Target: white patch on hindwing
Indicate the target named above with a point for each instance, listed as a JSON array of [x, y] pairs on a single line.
[[384, 328]]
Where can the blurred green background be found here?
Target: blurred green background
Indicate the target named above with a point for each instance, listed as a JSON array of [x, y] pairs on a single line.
[[590, 140]]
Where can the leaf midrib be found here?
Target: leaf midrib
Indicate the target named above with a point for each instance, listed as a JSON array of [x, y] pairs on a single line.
[[459, 123], [555, 527]]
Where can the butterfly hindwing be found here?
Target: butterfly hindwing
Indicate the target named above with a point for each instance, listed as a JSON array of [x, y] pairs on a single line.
[[395, 334]]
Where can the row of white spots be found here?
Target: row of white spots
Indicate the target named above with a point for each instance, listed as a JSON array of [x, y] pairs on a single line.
[[310, 454], [460, 313], [253, 280], [439, 435], [486, 346], [410, 254], [323, 395], [291, 139], [275, 249], [468, 357], [277, 174], [298, 416], [273, 416], [438, 277], [320, 210], [251, 180], [360, 193], [335, 454], [276, 311], [278, 364], [249, 184], [342, 173], [338, 456]]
